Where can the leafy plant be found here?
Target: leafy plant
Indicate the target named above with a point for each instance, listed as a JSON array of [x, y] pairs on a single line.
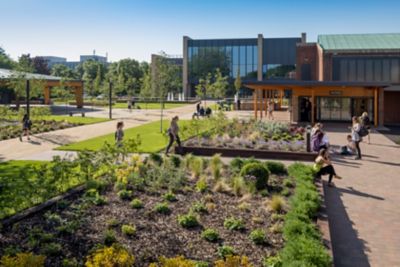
[[234, 224], [113, 222], [179, 261], [273, 261], [128, 230], [288, 183], [275, 167], [198, 207], [125, 194], [156, 158], [210, 235], [136, 204], [110, 256], [196, 166], [233, 261], [176, 160], [236, 164], [188, 220], [170, 197], [256, 171], [70, 263], [23, 259], [258, 236], [162, 208], [109, 237], [216, 166], [201, 185], [51, 249], [239, 186], [225, 251]]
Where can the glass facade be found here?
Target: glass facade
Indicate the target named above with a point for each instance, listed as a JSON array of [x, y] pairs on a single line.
[[230, 56], [343, 108], [366, 69]]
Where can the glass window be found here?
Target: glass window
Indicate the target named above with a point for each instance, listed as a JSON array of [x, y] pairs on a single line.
[[249, 55], [255, 56], [242, 55], [235, 55], [242, 70]]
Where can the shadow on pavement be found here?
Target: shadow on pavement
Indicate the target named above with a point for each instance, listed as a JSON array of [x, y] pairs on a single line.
[[55, 139], [348, 248], [351, 190], [384, 162]]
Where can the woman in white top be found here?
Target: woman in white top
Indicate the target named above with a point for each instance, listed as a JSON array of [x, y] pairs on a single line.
[[173, 131], [355, 137]]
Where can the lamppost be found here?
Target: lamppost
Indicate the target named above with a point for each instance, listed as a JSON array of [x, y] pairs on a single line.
[[110, 100], [27, 98]]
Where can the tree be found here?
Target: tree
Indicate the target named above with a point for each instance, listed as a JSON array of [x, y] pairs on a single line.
[[145, 89], [203, 88], [238, 82], [167, 76], [220, 85], [5, 61], [126, 75], [63, 71], [40, 65], [92, 70]]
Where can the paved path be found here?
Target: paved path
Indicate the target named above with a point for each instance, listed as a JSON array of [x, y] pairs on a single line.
[[363, 209], [41, 145]]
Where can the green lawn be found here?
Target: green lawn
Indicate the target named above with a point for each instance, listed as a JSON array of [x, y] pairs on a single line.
[[22, 187], [150, 105], [151, 138]]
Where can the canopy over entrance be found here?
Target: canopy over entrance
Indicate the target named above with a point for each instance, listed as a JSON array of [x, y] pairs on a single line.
[[365, 96]]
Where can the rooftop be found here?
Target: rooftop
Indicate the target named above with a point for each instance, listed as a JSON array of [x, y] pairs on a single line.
[[8, 74], [365, 42]]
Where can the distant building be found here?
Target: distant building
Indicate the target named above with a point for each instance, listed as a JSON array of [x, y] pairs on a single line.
[[170, 59], [52, 60]]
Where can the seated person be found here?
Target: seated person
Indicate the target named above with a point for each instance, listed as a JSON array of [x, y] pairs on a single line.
[[349, 148], [324, 166], [208, 111], [202, 111], [195, 115], [317, 141]]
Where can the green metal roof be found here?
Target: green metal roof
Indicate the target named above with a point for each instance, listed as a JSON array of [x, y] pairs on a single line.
[[364, 42], [8, 74]]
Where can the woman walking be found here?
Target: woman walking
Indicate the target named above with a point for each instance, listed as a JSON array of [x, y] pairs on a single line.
[[173, 132], [26, 127], [355, 137], [119, 134], [324, 166], [366, 123]]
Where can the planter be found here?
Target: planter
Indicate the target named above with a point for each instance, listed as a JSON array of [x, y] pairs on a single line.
[[246, 153]]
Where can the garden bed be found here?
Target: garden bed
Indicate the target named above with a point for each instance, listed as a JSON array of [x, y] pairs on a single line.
[[168, 203]]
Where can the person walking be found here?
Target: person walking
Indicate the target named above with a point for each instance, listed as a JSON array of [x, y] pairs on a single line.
[[323, 166], [119, 134], [26, 127], [173, 132], [355, 137], [366, 123], [271, 110]]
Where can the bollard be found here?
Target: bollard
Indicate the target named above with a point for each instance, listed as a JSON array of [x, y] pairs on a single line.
[[308, 138]]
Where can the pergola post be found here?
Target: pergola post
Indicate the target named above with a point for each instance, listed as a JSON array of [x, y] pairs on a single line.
[[79, 96], [255, 103], [47, 95], [375, 106], [262, 103]]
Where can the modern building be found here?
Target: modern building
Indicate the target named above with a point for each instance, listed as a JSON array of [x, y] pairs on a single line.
[[341, 76], [254, 59]]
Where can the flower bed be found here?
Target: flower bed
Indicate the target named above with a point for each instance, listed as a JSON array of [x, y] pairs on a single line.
[[201, 209]]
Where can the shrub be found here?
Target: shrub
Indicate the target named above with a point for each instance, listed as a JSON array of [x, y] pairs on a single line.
[[239, 187], [51, 249], [233, 261], [225, 251], [216, 165], [174, 262], [196, 166], [156, 158], [275, 167], [277, 203], [285, 192], [258, 237], [162, 208], [188, 220], [234, 224], [221, 187], [176, 161], [210, 207], [23, 259], [210, 235], [288, 183], [258, 171], [276, 228], [170, 197], [198, 207], [136, 203], [128, 230], [295, 227], [125, 194], [201, 185], [273, 261], [70, 263], [236, 164], [109, 237], [110, 256]]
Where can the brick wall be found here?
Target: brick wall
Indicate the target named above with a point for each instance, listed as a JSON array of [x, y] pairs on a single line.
[[309, 53]]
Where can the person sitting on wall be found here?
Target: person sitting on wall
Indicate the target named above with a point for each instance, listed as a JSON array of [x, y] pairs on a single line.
[[208, 112], [319, 141]]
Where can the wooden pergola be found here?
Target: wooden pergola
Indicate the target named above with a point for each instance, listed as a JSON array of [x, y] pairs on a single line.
[[265, 91], [49, 82]]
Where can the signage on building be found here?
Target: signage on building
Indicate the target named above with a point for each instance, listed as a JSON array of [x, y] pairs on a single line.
[[335, 92]]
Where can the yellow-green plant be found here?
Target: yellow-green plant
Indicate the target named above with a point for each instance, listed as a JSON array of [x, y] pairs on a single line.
[[179, 261], [233, 261], [110, 256], [216, 166], [277, 203], [23, 260], [196, 166]]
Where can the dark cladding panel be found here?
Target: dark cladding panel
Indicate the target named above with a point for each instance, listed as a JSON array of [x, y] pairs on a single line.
[[280, 51]]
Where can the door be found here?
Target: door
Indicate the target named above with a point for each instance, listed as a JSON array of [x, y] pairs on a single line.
[[392, 108], [361, 105], [305, 107]]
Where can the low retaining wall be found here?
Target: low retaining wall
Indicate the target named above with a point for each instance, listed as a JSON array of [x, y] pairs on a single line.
[[246, 153]]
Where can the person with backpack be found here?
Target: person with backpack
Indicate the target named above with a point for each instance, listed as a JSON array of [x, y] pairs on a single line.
[[366, 123], [26, 127], [356, 135]]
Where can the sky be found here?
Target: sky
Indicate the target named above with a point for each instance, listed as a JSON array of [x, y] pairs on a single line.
[[138, 28]]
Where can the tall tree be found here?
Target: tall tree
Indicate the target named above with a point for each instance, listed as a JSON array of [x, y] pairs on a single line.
[[40, 65], [238, 82], [63, 71], [5, 61], [145, 89], [220, 85]]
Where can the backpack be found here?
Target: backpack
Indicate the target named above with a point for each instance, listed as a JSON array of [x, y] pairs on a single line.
[[365, 121], [363, 131]]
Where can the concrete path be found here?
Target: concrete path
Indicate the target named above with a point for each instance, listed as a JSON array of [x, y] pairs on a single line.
[[363, 208], [41, 145]]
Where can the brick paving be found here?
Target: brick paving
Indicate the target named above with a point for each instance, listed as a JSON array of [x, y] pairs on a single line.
[[363, 208]]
